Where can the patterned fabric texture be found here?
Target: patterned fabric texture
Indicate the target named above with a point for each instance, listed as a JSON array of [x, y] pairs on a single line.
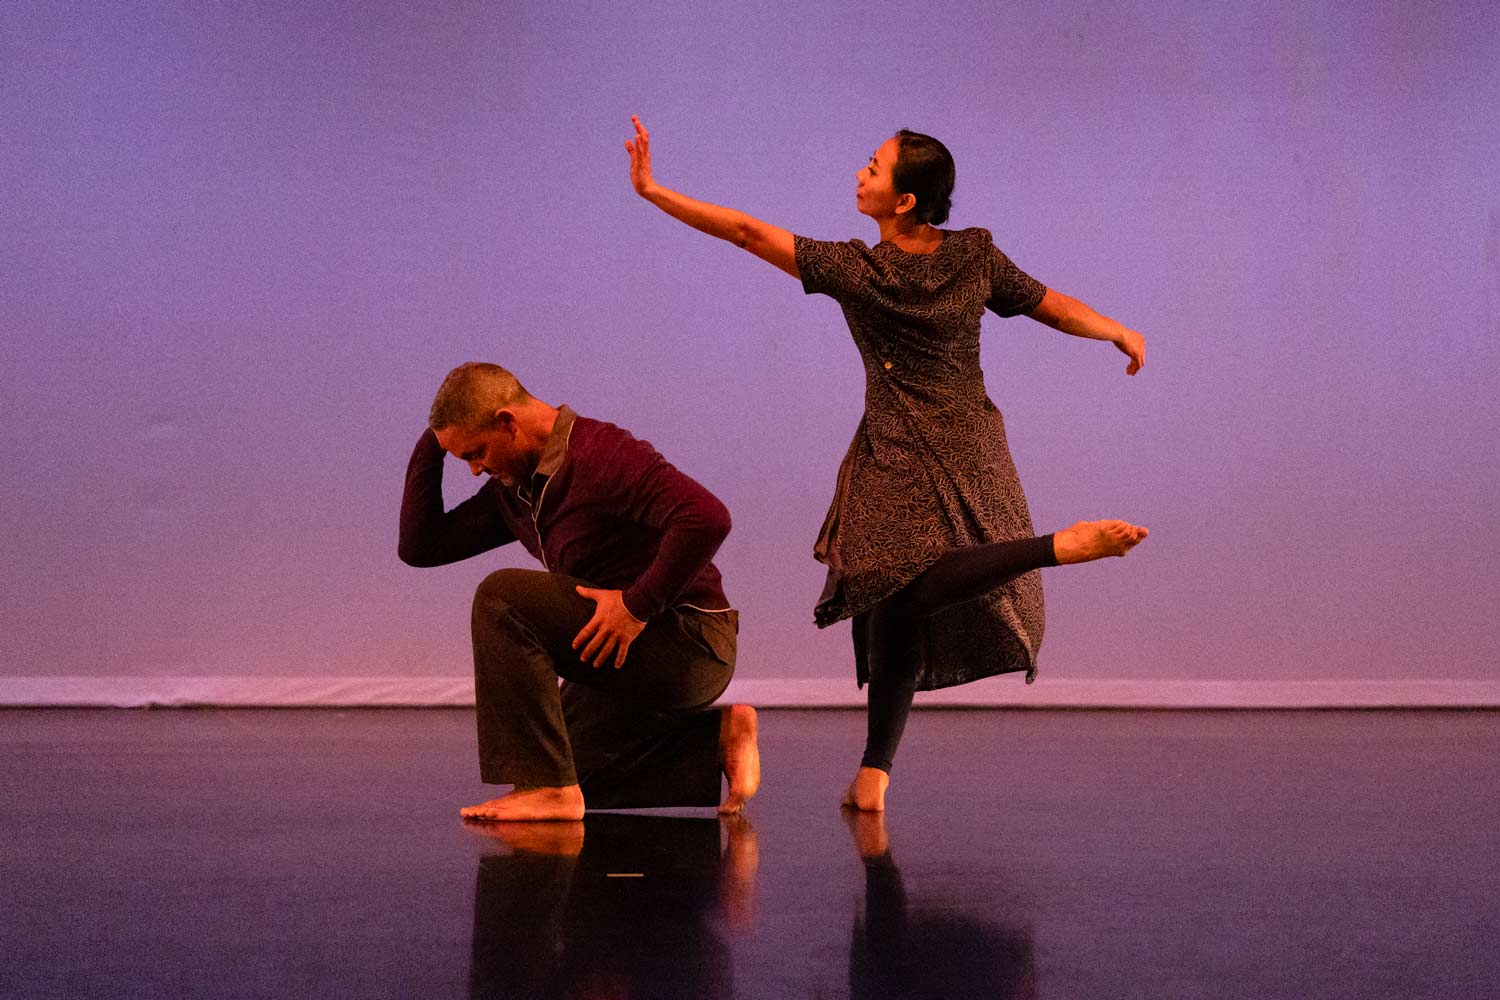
[[929, 469]]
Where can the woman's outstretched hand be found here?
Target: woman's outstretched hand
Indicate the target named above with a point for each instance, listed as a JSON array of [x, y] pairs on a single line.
[[1133, 346], [767, 242], [639, 149]]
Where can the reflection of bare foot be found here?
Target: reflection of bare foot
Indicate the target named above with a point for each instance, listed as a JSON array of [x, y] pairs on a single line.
[[867, 791], [741, 862], [562, 840], [868, 830], [530, 804], [738, 755], [1090, 540]]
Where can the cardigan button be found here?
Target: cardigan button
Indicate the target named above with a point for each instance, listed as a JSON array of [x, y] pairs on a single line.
[[887, 366]]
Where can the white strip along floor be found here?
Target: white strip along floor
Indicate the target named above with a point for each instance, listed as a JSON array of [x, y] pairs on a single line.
[[998, 692]]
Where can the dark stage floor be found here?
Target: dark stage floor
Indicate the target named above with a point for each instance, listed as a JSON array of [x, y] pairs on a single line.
[[1075, 854]]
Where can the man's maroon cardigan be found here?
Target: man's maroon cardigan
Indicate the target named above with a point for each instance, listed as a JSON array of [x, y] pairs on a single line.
[[603, 506]]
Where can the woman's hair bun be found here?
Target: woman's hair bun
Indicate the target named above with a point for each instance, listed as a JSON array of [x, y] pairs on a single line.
[[924, 169]]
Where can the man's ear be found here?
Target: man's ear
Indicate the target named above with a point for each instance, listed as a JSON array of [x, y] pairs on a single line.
[[505, 420], [906, 203]]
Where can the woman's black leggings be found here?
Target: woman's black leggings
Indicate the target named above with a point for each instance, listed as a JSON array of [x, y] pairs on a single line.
[[892, 626]]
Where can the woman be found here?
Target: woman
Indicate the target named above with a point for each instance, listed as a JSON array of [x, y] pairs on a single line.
[[928, 541]]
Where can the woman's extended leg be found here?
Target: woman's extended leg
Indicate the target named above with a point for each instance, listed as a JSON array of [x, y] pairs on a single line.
[[974, 570], [963, 574]]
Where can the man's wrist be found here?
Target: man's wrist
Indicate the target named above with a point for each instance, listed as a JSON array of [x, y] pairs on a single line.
[[641, 616]]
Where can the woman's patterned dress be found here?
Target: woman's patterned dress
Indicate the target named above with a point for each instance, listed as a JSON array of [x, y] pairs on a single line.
[[929, 469]]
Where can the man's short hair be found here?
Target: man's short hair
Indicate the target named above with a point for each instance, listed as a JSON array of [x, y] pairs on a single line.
[[470, 395]]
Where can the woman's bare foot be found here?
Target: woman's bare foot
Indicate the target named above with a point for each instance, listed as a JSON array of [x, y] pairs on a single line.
[[868, 831], [530, 804], [867, 791], [1090, 540], [739, 756]]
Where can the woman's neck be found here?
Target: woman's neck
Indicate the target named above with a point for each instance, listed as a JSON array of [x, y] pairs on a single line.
[[909, 236]]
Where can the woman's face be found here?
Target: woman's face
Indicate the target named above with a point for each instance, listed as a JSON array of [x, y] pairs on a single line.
[[875, 194]]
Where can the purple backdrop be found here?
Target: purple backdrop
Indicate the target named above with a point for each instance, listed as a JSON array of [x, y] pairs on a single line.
[[240, 248]]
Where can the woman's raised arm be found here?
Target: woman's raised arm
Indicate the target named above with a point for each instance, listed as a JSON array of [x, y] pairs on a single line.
[[770, 243]]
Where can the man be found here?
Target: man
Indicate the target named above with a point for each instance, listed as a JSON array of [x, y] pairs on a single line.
[[628, 610]]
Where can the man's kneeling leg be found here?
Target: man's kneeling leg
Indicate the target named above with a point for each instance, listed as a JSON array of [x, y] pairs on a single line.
[[520, 618]]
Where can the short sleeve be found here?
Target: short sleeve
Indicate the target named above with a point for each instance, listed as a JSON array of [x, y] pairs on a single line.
[[840, 270], [1012, 290]]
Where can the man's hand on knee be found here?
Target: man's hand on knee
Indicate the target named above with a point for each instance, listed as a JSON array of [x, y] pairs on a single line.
[[610, 632]]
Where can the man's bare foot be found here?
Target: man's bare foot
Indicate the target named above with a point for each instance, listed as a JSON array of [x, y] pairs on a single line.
[[867, 791], [1090, 540], [868, 831], [739, 756], [530, 804], [560, 840]]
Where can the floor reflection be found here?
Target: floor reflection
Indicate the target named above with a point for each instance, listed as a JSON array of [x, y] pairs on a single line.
[[911, 948], [617, 906]]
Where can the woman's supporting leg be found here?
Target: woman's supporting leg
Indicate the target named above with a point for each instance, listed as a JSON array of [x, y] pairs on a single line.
[[891, 628], [887, 634], [890, 642]]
